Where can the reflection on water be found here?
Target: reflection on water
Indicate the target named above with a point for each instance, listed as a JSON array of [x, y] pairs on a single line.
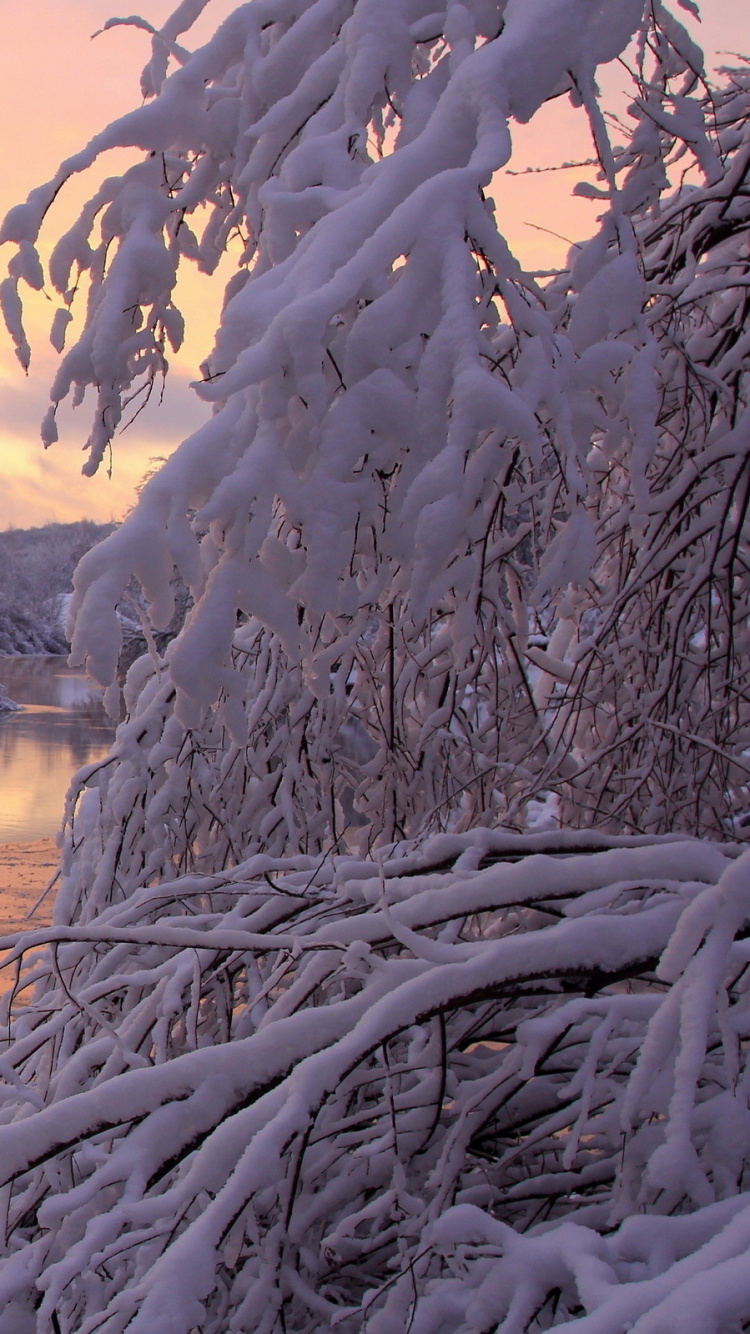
[[63, 725]]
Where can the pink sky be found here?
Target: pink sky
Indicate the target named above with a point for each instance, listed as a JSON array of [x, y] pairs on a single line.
[[57, 88]]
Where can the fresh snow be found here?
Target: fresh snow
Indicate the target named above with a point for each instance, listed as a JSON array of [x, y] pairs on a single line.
[[398, 976]]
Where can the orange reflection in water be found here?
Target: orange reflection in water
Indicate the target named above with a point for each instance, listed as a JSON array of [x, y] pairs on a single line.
[[62, 726]]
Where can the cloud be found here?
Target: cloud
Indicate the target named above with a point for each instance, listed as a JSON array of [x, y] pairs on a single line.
[[40, 486]]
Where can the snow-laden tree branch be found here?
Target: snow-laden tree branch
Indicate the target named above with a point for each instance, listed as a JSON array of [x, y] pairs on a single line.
[[290, 1059], [483, 537], [497, 1081]]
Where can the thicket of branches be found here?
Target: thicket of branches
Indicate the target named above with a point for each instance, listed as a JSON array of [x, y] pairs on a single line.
[[316, 1040], [484, 536], [453, 1090]]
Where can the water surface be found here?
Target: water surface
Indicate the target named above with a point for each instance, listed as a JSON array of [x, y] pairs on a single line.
[[63, 725]]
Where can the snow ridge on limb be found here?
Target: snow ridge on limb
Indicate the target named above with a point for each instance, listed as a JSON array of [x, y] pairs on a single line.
[[383, 1089]]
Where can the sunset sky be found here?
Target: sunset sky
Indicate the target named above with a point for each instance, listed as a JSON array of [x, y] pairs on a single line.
[[57, 88]]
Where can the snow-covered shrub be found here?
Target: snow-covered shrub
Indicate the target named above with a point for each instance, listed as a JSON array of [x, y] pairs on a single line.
[[21, 634]]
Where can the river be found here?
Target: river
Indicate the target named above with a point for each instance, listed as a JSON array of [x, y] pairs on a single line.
[[62, 726]]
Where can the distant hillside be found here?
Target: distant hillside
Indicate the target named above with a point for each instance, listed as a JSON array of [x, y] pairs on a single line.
[[36, 572]]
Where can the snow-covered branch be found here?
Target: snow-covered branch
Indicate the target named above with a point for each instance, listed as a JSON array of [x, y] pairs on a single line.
[[482, 538], [316, 1088], [466, 551]]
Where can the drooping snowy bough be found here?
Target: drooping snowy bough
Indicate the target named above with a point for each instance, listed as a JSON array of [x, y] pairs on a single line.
[[316, 1040], [483, 536], [496, 1082]]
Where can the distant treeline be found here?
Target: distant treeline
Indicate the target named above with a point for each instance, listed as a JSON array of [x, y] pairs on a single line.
[[36, 574]]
